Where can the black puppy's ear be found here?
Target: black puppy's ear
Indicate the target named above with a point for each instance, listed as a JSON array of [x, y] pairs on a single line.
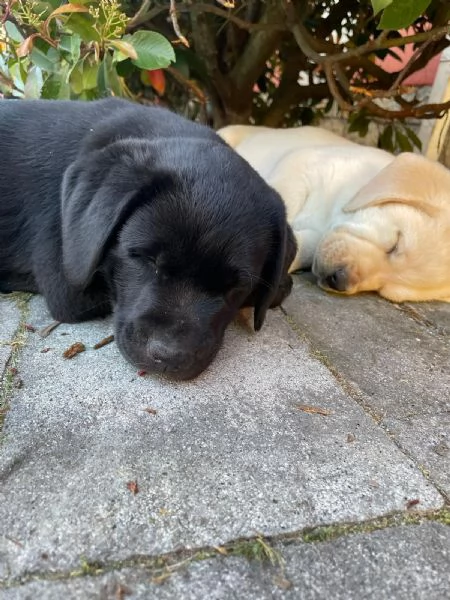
[[276, 283], [99, 192]]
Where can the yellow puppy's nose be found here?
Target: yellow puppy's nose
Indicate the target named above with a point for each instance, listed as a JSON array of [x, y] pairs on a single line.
[[338, 280]]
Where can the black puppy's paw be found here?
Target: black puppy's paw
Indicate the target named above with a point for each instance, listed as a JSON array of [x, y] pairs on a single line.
[[75, 307]]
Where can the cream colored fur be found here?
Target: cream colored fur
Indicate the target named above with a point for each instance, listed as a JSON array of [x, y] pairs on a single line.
[[382, 223]]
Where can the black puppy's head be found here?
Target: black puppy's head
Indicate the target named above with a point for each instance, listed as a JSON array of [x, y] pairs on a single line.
[[186, 234]]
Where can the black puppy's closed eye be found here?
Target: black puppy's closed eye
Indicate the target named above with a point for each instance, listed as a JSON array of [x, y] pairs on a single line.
[[141, 254]]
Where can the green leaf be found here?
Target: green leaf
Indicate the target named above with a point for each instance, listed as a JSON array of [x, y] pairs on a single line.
[[56, 87], [84, 26], [359, 123], [125, 68], [90, 74], [417, 142], [17, 75], [76, 79], [403, 142], [385, 140], [402, 13], [12, 32], [71, 45], [64, 89], [51, 87], [379, 5], [34, 83], [3, 65], [47, 6], [102, 79], [108, 81], [153, 49], [43, 9], [47, 61], [84, 76], [90, 94], [125, 50]]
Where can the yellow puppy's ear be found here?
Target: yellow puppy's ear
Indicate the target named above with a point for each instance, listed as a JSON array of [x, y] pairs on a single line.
[[409, 179]]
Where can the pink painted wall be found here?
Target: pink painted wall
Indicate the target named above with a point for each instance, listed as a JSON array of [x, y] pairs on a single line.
[[425, 76]]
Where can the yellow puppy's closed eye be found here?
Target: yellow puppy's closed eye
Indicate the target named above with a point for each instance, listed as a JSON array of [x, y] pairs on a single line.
[[395, 248]]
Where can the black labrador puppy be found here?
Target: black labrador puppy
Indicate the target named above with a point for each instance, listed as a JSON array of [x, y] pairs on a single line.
[[112, 205]]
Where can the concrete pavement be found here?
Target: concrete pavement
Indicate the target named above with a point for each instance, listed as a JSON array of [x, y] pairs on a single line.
[[311, 460]]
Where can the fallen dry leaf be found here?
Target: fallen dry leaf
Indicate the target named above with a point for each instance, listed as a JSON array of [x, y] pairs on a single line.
[[104, 342], [221, 550], [315, 410], [133, 486], [74, 349], [122, 591], [150, 411], [282, 582]]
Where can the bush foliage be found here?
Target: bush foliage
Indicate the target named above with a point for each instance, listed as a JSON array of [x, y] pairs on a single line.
[[272, 62]]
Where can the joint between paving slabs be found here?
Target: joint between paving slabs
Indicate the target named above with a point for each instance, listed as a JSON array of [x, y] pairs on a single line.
[[417, 316], [266, 550], [358, 396], [8, 377]]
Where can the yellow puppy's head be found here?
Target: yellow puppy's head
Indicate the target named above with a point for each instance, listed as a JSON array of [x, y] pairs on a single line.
[[394, 237]]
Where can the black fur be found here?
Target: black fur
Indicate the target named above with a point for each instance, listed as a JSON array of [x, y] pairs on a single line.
[[111, 205]]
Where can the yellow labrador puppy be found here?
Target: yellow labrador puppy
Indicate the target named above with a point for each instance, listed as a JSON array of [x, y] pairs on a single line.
[[364, 219]]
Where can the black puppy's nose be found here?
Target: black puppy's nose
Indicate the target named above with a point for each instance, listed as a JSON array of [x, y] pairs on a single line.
[[337, 280], [163, 353]]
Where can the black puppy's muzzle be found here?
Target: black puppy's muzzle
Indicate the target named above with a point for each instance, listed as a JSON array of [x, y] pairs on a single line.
[[337, 281], [177, 359], [177, 354]]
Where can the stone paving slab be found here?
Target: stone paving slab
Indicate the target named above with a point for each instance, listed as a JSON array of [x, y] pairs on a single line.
[[403, 563], [427, 437], [9, 322], [402, 365], [396, 356], [225, 456]]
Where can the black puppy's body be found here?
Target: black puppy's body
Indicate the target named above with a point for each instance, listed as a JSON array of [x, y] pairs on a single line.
[[113, 205], [38, 141]]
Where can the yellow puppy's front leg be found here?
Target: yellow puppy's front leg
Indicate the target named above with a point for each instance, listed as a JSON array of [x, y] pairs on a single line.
[[307, 241], [401, 293]]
